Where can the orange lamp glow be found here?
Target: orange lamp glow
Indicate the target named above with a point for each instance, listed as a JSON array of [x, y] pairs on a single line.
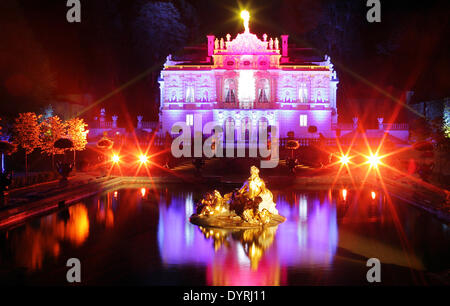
[[344, 194], [373, 195], [374, 160], [143, 192], [143, 159], [344, 159], [115, 158]]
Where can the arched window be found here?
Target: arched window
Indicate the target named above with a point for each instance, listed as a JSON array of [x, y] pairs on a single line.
[[230, 129], [174, 97], [263, 125], [246, 129], [205, 96], [190, 93], [287, 96], [263, 90], [229, 91], [303, 93]]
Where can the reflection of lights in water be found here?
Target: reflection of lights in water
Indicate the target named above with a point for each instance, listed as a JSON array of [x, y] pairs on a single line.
[[77, 228], [373, 195], [143, 192], [189, 228], [109, 218], [172, 226], [310, 242], [302, 233], [303, 207], [228, 261], [241, 256], [344, 194], [35, 243]]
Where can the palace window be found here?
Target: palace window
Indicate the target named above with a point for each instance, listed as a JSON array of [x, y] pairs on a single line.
[[190, 93], [320, 96], [303, 120], [263, 90], [229, 91], [189, 119], [205, 96], [303, 93]]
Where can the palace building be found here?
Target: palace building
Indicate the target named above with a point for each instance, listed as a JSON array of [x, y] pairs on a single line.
[[247, 81]]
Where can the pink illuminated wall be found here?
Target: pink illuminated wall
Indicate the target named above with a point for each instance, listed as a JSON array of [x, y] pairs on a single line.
[[241, 65]]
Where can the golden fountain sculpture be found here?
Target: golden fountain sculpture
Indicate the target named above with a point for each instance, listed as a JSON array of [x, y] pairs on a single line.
[[250, 206]]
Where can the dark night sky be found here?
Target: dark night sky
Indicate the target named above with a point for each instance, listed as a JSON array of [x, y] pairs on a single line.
[[43, 56]]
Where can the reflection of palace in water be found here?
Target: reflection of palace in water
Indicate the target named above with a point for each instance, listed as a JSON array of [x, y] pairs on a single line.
[[307, 240], [256, 257]]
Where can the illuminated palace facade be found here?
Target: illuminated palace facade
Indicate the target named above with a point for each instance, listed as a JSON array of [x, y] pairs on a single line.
[[245, 82]]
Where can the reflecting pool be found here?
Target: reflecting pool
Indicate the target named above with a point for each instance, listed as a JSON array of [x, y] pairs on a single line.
[[142, 235]]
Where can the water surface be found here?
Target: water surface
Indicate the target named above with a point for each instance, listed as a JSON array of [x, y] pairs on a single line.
[[143, 236]]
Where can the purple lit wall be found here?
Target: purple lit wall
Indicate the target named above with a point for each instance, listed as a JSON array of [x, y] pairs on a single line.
[[250, 77]]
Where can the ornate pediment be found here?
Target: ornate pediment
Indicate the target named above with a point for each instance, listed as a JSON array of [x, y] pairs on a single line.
[[247, 43]]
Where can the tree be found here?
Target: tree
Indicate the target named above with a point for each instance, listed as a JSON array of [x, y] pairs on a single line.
[[420, 130], [446, 121], [159, 29], [76, 131], [26, 134], [51, 129], [27, 76]]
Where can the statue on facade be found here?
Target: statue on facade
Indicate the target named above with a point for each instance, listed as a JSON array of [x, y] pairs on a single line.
[[216, 44]]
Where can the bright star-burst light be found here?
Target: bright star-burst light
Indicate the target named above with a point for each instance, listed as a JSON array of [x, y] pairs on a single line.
[[115, 158], [344, 159], [245, 15], [143, 159], [374, 160]]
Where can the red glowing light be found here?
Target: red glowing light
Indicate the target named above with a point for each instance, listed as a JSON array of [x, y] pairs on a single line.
[[115, 158], [374, 160], [344, 194], [344, 159], [143, 159]]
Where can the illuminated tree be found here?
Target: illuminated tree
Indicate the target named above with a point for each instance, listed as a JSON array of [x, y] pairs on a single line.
[[51, 129], [26, 134], [446, 123], [76, 131]]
